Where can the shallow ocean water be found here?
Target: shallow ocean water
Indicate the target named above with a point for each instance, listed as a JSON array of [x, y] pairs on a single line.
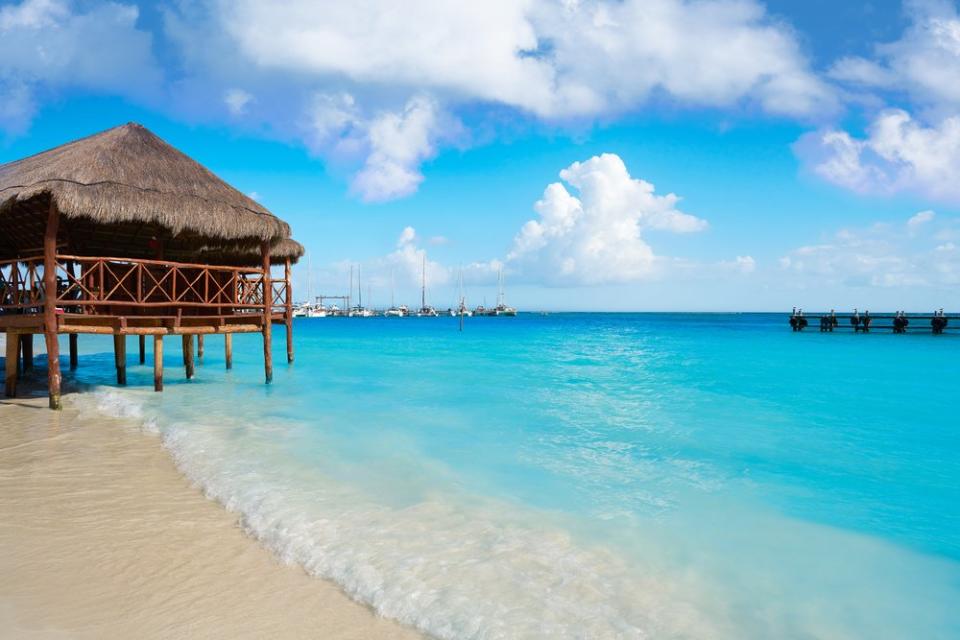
[[587, 475]]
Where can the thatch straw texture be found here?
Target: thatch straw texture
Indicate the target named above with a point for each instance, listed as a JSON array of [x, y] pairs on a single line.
[[280, 251], [128, 174]]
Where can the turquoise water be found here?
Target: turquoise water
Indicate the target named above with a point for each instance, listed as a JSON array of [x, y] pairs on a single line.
[[588, 475]]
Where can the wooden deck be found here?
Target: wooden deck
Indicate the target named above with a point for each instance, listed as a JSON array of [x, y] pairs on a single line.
[[125, 296]]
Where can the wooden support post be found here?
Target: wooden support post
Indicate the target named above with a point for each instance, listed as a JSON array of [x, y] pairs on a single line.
[[158, 362], [50, 326], [143, 349], [288, 312], [10, 379], [267, 313], [120, 357], [228, 349], [26, 348], [188, 354], [200, 347], [73, 351]]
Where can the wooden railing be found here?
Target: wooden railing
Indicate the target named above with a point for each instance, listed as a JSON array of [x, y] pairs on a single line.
[[125, 286]]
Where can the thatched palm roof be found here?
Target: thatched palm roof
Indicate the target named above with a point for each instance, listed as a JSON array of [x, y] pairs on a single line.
[[129, 175], [280, 251]]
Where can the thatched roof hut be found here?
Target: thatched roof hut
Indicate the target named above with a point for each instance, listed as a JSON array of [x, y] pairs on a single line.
[[123, 191]]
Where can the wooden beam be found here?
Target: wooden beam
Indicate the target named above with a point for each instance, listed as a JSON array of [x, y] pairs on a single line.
[[120, 357], [200, 347], [267, 304], [143, 348], [73, 351], [50, 304], [158, 363], [228, 349], [289, 309], [188, 355], [10, 379]]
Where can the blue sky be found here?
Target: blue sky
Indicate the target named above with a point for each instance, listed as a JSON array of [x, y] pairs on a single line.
[[812, 149]]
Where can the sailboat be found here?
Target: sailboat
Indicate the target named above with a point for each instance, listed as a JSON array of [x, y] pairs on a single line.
[[502, 309], [462, 309], [394, 311], [358, 311], [425, 311]]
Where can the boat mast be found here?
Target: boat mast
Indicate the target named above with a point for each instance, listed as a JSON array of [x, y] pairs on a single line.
[[423, 288], [461, 309], [359, 289], [309, 279], [350, 296], [500, 287]]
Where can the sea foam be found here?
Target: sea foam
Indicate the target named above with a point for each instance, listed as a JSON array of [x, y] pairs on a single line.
[[451, 568]]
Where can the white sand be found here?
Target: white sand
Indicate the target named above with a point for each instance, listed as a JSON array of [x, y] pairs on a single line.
[[101, 537]]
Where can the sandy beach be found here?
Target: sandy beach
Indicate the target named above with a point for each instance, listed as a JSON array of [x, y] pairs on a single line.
[[101, 537]]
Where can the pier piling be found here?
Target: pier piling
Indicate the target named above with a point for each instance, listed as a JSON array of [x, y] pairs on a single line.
[[10, 375], [267, 314], [51, 324], [143, 348], [288, 307], [228, 349], [72, 339], [188, 355], [26, 348], [158, 362], [120, 357]]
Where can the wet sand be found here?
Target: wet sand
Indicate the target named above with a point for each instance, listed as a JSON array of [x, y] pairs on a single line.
[[101, 537]]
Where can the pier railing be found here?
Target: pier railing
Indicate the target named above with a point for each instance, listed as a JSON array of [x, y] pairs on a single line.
[[124, 286]]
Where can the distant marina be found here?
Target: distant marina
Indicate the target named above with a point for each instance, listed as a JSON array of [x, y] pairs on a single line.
[[341, 306]]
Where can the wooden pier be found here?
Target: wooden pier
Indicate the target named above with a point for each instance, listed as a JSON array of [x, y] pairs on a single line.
[[121, 234], [936, 323]]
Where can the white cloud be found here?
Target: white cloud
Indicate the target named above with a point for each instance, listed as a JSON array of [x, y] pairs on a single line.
[[596, 237], [390, 144], [47, 45], [745, 264], [379, 87], [237, 101], [407, 263], [924, 62], [548, 58], [897, 154], [883, 255], [398, 143], [920, 218]]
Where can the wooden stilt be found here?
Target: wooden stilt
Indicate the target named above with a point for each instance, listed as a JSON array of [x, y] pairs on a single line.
[[120, 356], [158, 362], [200, 347], [188, 355], [267, 313], [288, 311], [10, 379], [73, 351], [143, 349], [26, 348], [50, 322], [228, 349]]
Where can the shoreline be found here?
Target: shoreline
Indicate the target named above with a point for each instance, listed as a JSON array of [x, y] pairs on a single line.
[[101, 536]]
